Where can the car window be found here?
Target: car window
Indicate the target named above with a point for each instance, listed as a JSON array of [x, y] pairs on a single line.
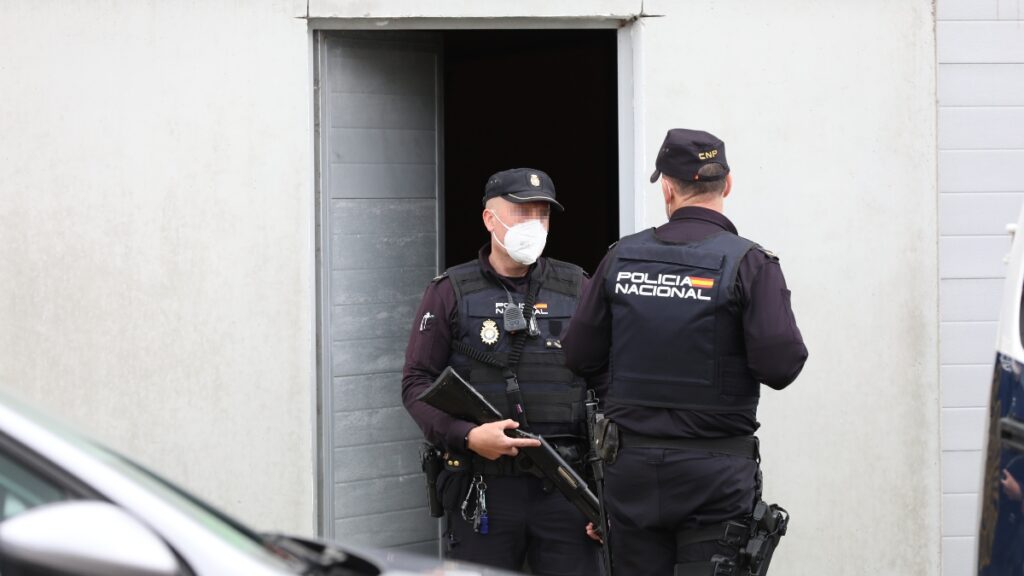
[[21, 488]]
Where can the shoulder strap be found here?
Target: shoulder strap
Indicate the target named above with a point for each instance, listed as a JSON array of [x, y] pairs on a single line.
[[563, 277], [512, 390], [771, 255], [466, 278], [645, 235]]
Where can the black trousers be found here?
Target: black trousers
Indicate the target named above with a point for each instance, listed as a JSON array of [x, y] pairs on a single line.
[[527, 525], [652, 493]]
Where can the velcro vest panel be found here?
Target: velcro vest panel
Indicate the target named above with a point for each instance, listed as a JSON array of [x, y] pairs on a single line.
[[669, 303], [552, 395]]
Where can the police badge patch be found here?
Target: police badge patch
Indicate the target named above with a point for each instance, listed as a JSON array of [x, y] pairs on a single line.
[[489, 332]]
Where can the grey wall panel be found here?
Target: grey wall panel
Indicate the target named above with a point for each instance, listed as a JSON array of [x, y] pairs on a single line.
[[380, 250], [365, 496], [387, 529], [365, 427], [967, 9], [958, 556], [973, 256], [395, 111], [375, 462], [981, 171], [978, 213], [963, 428], [981, 128], [981, 85], [365, 391], [381, 68], [387, 286], [967, 342], [970, 299], [357, 321], [963, 386], [362, 216], [389, 146], [959, 514], [365, 251], [961, 472], [990, 42], [368, 357], [382, 181]]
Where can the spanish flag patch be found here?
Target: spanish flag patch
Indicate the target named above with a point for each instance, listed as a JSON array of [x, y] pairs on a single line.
[[702, 282]]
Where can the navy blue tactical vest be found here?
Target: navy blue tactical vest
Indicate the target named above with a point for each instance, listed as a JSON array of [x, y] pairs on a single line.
[[677, 338], [552, 395]]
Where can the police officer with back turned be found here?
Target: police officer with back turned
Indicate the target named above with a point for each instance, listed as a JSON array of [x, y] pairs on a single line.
[[498, 321], [689, 318]]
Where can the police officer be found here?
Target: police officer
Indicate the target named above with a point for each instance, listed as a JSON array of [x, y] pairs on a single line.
[[470, 319], [692, 318]]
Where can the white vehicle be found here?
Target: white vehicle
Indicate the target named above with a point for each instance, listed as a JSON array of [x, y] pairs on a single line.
[[1001, 531], [71, 507]]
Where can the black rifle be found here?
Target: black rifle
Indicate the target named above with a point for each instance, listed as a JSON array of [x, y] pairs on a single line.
[[597, 465], [454, 396]]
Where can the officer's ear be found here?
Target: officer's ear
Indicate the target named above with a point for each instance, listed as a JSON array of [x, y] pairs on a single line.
[[666, 190], [490, 215], [728, 185], [488, 218]]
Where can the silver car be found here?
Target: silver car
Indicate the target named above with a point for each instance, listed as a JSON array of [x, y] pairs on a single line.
[[69, 506]]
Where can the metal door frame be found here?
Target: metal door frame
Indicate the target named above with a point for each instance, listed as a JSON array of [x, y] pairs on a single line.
[[632, 160]]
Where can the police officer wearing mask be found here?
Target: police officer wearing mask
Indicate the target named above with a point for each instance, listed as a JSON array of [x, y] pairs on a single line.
[[689, 318], [469, 319]]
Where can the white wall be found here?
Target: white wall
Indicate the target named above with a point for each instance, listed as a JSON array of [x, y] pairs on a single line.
[[981, 187], [828, 111], [828, 115], [157, 260], [156, 206]]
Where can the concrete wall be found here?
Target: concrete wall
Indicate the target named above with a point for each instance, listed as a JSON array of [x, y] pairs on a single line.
[[156, 213], [828, 114], [981, 187], [157, 258]]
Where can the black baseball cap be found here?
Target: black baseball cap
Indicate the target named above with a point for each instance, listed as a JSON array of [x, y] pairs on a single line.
[[521, 185], [684, 152]]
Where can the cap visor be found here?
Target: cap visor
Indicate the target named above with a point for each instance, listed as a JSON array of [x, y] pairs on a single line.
[[524, 197], [655, 175]]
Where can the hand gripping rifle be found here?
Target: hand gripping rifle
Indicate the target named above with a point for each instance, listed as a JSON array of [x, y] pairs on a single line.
[[597, 465], [454, 396]]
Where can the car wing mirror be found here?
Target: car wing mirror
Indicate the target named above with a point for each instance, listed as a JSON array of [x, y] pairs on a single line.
[[84, 538]]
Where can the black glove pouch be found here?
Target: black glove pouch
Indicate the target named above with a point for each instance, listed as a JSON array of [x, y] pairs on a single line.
[[451, 487]]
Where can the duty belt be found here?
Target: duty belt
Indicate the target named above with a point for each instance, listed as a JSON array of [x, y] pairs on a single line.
[[742, 446], [504, 466]]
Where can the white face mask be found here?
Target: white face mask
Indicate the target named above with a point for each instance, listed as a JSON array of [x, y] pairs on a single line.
[[523, 242]]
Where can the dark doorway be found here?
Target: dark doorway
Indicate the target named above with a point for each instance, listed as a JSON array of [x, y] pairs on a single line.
[[544, 99]]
